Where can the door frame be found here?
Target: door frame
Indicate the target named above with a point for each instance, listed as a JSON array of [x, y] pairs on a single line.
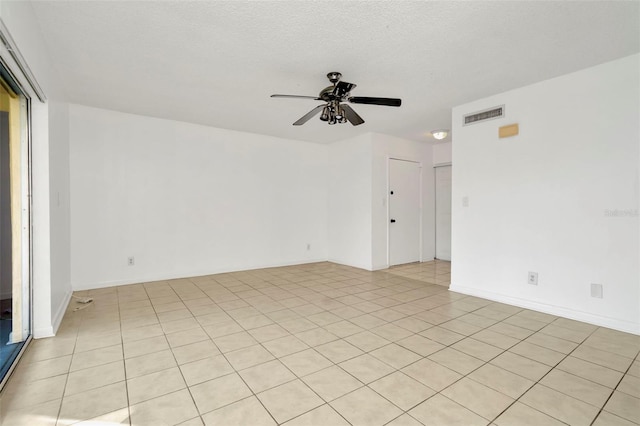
[[435, 205], [420, 207], [21, 75]]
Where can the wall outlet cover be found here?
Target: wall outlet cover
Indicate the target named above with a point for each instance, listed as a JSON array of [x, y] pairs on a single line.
[[596, 290], [532, 278]]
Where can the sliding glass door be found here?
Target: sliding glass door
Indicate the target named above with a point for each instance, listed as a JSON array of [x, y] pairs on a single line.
[[15, 307]]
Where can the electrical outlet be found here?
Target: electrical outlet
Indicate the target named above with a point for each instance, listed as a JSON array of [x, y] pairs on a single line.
[[465, 201], [308, 246], [533, 278], [596, 290], [131, 261]]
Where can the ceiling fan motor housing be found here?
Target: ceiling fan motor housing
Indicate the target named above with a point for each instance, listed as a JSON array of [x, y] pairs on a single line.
[[326, 94]]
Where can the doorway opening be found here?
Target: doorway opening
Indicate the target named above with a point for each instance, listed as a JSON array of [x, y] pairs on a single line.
[[405, 242]]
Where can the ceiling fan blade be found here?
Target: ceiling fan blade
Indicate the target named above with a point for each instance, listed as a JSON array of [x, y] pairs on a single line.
[[376, 101], [297, 97], [351, 115], [308, 115]]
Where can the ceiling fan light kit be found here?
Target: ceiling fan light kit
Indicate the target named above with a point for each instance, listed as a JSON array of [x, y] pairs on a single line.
[[335, 110]]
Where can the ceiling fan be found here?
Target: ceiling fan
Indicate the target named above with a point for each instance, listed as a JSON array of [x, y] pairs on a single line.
[[335, 110]]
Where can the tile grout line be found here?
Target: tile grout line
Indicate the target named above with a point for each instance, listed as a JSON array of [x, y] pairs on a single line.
[[124, 361], [465, 375], [301, 378], [545, 375], [236, 372], [66, 381], [390, 342], [487, 362], [613, 391], [82, 369], [367, 352], [222, 353], [187, 387], [285, 366]]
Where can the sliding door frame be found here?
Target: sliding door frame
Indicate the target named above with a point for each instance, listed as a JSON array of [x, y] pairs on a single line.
[[20, 75]]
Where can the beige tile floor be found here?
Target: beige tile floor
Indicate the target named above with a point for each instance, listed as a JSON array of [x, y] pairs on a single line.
[[321, 344], [436, 272]]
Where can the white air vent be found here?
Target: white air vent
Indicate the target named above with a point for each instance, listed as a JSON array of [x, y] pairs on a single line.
[[484, 115]]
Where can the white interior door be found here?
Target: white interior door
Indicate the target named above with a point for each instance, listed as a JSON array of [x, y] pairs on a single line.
[[443, 213], [404, 212]]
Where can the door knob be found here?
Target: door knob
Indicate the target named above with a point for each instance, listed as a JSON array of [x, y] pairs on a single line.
[[393, 221]]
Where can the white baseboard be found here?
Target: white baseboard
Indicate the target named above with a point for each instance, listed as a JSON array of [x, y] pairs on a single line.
[[39, 333], [186, 274], [51, 330], [616, 324], [352, 264], [62, 309], [380, 267]]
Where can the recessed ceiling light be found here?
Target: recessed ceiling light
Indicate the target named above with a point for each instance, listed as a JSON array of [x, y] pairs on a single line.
[[440, 134]]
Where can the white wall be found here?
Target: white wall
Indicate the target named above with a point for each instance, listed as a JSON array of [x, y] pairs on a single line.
[[442, 153], [359, 197], [188, 200], [349, 201], [59, 209], [384, 148], [48, 302], [538, 201]]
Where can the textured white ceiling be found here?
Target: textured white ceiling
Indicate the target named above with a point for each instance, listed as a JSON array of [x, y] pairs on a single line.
[[216, 63]]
